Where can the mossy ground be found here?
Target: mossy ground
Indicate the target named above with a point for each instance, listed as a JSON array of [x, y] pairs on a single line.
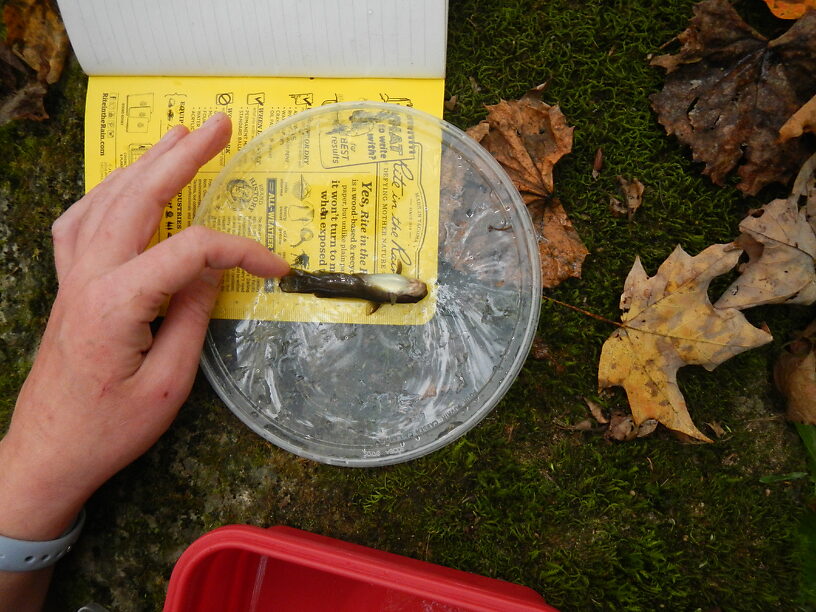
[[588, 523]]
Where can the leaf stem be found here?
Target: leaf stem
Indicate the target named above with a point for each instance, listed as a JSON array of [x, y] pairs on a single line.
[[582, 311]]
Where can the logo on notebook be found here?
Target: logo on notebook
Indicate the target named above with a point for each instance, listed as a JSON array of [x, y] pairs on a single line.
[[243, 195]]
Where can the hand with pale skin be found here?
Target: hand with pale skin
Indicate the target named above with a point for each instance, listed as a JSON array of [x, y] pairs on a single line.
[[103, 387]]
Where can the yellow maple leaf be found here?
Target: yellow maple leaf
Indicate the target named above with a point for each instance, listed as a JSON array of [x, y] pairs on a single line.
[[669, 322]]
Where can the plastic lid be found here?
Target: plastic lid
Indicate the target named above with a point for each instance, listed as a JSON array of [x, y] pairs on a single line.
[[357, 187]]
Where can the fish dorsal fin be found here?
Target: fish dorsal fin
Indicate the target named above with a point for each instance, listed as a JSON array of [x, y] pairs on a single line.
[[372, 308], [399, 267]]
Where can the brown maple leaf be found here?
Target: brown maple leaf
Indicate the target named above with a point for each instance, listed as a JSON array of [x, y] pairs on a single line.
[[795, 376], [729, 90], [669, 322], [560, 247], [527, 137]]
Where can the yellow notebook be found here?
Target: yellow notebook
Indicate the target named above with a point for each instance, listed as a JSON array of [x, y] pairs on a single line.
[[155, 64]]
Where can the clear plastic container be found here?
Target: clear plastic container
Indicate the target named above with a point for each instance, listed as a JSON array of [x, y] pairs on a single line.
[[321, 377]]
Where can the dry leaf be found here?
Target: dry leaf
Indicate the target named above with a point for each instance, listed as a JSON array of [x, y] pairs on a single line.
[[729, 90], [585, 425], [621, 428], [781, 246], [790, 9], [617, 208], [803, 120], [597, 412], [540, 351], [632, 192], [795, 376], [561, 249], [780, 241], [450, 103], [647, 428], [527, 137], [31, 57], [668, 322], [716, 428], [35, 33], [597, 163], [21, 95]]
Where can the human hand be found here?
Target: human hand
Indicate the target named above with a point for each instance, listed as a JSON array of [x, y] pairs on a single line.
[[103, 388]]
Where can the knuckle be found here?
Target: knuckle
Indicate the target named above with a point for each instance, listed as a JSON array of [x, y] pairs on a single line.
[[197, 306], [132, 190], [198, 234], [60, 229]]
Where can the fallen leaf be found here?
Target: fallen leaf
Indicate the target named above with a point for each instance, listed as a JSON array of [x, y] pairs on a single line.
[[21, 95], [795, 376], [559, 245], [527, 137], [790, 9], [31, 57], [780, 270], [781, 246], [585, 425], [597, 412], [632, 192], [647, 428], [450, 103], [803, 120], [597, 163], [669, 322], [805, 187], [540, 351], [729, 90], [716, 428], [621, 428], [36, 34]]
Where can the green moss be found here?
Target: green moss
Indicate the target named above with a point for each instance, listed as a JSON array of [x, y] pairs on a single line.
[[41, 176], [588, 523]]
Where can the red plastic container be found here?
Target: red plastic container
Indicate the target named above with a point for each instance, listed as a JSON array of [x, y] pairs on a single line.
[[251, 569]]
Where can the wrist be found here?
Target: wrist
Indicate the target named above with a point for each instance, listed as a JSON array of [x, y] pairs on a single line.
[[36, 505]]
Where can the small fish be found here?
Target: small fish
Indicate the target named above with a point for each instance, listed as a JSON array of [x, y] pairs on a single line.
[[376, 289]]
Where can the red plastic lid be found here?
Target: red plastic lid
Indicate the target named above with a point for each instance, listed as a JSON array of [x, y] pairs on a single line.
[[240, 567]]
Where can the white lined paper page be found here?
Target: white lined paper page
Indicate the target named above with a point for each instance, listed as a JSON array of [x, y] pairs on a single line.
[[321, 38]]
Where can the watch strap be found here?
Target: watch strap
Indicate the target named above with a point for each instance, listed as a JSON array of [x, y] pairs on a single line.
[[26, 556]]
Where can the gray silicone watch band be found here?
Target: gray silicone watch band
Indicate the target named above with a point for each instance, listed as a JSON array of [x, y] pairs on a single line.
[[25, 556]]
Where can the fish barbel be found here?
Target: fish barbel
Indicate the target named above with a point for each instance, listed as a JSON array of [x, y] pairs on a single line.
[[374, 288]]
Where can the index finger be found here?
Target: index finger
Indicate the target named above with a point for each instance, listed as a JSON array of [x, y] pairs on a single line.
[[176, 262]]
